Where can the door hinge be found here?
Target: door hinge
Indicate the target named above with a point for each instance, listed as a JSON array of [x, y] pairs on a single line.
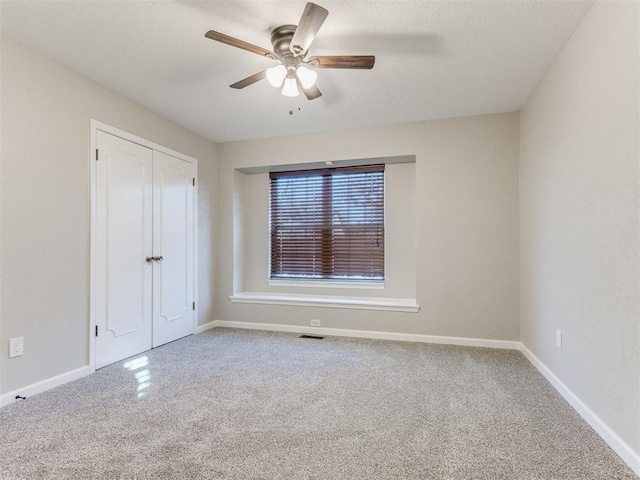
[[96, 330], [194, 181], [97, 154], [194, 306]]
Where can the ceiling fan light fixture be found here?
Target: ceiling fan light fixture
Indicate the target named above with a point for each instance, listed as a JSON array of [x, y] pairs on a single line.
[[306, 76], [275, 75], [290, 47], [290, 88]]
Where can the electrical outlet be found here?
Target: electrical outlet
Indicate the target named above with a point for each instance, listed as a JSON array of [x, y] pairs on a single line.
[[16, 347], [315, 323], [558, 338]]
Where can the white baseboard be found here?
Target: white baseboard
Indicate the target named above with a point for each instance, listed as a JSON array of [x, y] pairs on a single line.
[[205, 327], [402, 337], [44, 385], [624, 451]]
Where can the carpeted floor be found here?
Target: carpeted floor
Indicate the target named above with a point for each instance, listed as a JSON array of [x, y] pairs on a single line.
[[237, 404]]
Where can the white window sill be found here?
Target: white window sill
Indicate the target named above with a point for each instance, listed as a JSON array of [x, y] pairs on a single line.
[[357, 303], [327, 284]]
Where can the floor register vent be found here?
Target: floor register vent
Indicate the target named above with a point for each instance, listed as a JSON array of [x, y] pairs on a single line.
[[315, 337]]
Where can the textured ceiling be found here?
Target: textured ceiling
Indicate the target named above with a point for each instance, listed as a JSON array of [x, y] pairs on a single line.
[[434, 59]]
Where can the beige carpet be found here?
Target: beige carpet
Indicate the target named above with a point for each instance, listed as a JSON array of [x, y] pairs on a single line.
[[233, 404]]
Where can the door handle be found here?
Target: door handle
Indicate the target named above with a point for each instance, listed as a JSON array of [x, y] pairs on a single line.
[[149, 259], [158, 259]]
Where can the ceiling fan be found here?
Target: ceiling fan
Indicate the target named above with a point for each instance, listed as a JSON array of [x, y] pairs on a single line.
[[290, 46]]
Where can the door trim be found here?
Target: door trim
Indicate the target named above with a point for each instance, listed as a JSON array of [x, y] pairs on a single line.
[[94, 127]]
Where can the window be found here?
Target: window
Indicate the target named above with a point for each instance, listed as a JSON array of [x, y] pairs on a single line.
[[328, 224]]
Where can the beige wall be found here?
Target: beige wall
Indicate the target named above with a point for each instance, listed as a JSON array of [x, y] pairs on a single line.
[[580, 243], [44, 258], [466, 224]]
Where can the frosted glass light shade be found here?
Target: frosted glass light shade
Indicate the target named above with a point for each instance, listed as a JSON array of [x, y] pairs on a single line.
[[306, 76], [290, 88], [275, 75]]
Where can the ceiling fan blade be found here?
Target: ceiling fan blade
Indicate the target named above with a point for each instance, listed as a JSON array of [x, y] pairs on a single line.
[[245, 82], [311, 92], [312, 19], [343, 61], [234, 42]]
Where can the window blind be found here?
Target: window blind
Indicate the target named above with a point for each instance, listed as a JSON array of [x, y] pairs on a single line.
[[327, 224]]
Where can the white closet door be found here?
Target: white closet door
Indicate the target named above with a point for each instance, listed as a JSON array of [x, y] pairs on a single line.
[[124, 240], [173, 280]]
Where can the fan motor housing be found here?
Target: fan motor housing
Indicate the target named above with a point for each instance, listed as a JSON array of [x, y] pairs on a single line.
[[281, 39]]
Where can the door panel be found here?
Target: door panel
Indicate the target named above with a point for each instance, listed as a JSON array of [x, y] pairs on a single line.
[[173, 296], [124, 239]]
